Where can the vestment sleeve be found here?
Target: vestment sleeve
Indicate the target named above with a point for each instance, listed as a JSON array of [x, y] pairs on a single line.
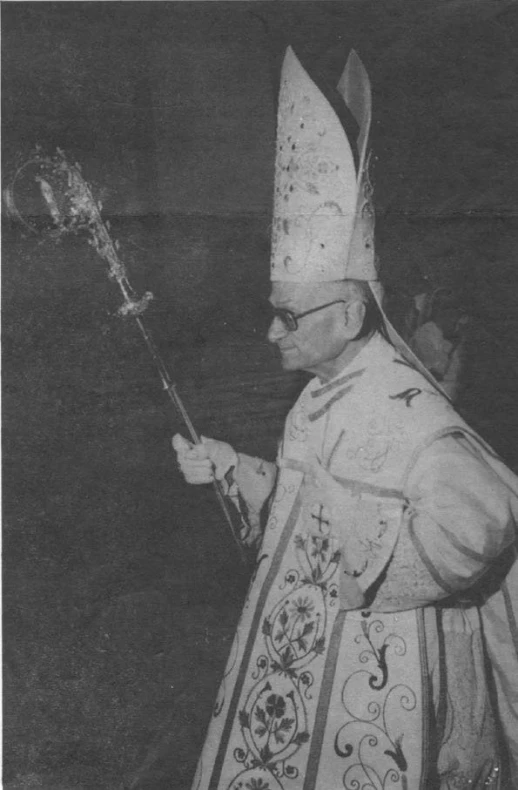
[[249, 488], [460, 518]]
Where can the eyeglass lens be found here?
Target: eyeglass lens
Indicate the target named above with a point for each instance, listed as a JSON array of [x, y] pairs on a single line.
[[286, 316]]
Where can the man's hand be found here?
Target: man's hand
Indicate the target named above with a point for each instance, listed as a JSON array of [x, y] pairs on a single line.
[[203, 463]]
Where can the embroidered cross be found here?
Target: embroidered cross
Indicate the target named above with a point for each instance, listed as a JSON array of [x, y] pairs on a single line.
[[408, 395], [319, 518]]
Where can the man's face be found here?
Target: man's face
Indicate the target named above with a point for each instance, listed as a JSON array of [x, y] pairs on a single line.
[[320, 340]]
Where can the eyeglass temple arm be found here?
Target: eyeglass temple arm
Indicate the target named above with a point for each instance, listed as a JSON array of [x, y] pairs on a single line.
[[315, 309]]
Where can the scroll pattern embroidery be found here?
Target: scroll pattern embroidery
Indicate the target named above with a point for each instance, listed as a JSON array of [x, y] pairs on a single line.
[[372, 741]]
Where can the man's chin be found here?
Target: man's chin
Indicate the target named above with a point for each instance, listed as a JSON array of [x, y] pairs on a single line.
[[289, 360]]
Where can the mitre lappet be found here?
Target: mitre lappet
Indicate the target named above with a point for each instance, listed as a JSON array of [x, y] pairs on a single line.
[[323, 214]]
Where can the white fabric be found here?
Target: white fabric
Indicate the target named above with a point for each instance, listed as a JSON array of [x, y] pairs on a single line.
[[319, 197], [353, 543]]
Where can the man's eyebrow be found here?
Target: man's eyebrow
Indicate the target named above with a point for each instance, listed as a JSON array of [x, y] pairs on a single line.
[[281, 303]]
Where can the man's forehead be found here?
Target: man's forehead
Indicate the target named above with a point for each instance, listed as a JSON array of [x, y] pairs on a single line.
[[284, 294]]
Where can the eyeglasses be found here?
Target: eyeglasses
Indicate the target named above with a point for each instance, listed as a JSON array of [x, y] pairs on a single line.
[[290, 320]]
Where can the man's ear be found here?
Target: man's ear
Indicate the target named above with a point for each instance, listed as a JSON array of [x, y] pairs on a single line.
[[354, 314]]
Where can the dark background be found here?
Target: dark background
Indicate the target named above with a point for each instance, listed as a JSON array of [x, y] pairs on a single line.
[[121, 583]]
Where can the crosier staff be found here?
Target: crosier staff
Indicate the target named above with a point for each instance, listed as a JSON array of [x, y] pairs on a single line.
[[73, 208]]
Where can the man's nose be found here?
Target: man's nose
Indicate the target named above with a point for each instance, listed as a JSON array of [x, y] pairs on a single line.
[[277, 330]]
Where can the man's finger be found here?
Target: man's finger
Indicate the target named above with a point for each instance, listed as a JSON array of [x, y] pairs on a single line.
[[199, 478], [197, 472], [188, 464]]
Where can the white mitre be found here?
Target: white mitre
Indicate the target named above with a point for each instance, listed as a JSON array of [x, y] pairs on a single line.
[[323, 221]]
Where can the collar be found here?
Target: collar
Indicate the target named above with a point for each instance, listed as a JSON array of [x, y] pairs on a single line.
[[375, 353]]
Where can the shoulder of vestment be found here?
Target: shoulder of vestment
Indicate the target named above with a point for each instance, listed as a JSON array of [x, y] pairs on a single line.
[[376, 416]]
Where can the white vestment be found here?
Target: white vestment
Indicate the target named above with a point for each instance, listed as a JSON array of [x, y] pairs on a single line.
[[360, 659]]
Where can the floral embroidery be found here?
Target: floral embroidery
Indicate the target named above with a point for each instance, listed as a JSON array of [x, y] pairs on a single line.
[[274, 718], [257, 784], [302, 607]]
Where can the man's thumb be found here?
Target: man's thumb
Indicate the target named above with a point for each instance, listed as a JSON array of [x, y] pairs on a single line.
[[180, 444]]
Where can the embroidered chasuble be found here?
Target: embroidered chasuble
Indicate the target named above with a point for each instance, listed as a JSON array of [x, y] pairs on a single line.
[[358, 662]]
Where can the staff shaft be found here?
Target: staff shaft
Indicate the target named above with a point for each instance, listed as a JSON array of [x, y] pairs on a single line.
[[170, 388]]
